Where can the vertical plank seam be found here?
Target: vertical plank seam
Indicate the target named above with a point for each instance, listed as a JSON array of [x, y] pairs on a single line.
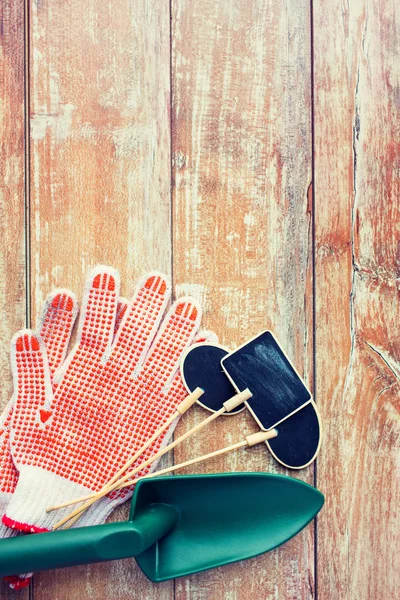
[[171, 193], [27, 187], [27, 207], [314, 286]]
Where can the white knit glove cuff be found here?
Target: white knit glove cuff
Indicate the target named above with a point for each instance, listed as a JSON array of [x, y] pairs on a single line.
[[36, 491], [97, 513]]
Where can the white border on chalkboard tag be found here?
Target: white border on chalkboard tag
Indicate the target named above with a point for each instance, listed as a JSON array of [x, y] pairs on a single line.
[[289, 361]]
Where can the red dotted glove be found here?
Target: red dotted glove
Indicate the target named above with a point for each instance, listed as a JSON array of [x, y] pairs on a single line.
[[110, 398], [54, 327]]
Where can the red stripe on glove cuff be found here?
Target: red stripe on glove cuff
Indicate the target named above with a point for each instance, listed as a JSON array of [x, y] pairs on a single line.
[[17, 583], [23, 526]]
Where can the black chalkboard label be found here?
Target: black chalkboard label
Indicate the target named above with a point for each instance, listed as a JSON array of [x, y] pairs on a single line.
[[262, 366], [201, 367]]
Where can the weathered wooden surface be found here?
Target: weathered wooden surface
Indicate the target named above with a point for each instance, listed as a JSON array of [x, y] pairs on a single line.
[[357, 210], [241, 140], [12, 165], [111, 89], [100, 182]]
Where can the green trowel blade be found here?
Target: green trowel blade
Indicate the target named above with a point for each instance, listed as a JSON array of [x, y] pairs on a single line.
[[222, 518]]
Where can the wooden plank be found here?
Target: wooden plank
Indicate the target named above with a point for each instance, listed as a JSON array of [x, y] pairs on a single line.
[[357, 125], [241, 139], [12, 247], [100, 179]]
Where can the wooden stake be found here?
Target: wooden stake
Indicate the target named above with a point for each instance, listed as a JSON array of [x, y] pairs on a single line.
[[250, 440], [108, 488]]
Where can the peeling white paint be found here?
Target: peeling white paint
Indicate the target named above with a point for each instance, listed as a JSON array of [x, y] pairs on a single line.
[[61, 123], [128, 140], [197, 290]]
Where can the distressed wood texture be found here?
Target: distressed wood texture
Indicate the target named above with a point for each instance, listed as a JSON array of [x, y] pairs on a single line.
[[100, 182], [12, 164], [230, 215], [357, 191], [241, 139]]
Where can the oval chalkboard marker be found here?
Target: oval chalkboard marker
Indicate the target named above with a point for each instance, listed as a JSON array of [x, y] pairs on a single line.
[[201, 367]]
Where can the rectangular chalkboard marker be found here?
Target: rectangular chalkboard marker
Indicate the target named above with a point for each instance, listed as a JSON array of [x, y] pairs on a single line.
[[262, 366]]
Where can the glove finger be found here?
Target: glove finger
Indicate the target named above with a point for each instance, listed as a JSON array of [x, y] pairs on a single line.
[[176, 388], [175, 335], [152, 384], [99, 309], [141, 321], [32, 384], [55, 325], [168, 390]]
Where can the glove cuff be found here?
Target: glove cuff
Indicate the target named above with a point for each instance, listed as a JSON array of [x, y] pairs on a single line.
[[97, 513], [36, 491]]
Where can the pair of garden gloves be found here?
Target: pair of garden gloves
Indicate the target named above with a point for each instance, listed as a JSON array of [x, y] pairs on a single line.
[[76, 418]]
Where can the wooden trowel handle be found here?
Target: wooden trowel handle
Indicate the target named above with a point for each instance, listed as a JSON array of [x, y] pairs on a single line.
[[66, 548]]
